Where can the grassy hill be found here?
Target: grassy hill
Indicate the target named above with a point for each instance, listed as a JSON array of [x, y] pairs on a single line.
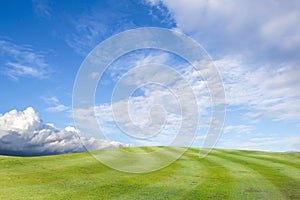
[[223, 174]]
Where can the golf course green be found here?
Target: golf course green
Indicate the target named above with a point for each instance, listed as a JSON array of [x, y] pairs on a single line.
[[223, 174]]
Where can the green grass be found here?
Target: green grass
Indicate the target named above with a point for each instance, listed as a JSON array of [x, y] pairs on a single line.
[[223, 174]]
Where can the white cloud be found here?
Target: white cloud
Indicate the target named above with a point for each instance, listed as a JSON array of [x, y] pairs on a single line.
[[252, 143], [24, 133], [21, 61], [284, 143], [56, 106], [141, 126], [163, 93], [239, 129], [42, 8], [233, 27], [265, 80], [91, 28], [98, 22], [296, 143], [261, 139], [94, 75], [282, 31], [51, 100], [265, 91]]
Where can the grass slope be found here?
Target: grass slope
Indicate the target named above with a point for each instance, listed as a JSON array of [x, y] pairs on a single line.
[[223, 174]]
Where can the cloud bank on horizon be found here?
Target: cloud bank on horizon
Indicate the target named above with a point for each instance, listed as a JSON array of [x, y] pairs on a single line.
[[23, 133]]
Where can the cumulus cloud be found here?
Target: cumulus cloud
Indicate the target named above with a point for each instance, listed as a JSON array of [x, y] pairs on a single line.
[[24, 133]]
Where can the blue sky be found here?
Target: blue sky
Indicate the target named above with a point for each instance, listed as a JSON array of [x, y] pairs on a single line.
[[43, 43]]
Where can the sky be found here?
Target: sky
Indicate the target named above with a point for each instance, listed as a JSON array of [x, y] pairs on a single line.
[[254, 45]]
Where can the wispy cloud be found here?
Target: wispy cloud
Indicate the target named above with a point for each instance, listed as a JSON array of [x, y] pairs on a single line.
[[92, 28], [57, 108], [257, 142], [295, 143], [22, 61], [271, 31], [265, 80], [165, 95], [42, 8], [107, 18], [253, 143], [239, 129], [266, 91], [55, 105], [261, 91]]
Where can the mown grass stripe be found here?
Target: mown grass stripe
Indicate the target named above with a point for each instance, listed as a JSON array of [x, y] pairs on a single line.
[[250, 184], [218, 183], [141, 179], [137, 179], [221, 175], [110, 185], [287, 185], [18, 176], [284, 169], [276, 157], [187, 175]]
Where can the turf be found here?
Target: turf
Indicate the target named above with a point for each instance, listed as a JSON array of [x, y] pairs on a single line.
[[223, 174]]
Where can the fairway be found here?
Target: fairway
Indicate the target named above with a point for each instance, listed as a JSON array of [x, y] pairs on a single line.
[[223, 174]]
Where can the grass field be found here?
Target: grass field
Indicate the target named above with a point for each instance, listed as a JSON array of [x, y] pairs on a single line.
[[223, 174]]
